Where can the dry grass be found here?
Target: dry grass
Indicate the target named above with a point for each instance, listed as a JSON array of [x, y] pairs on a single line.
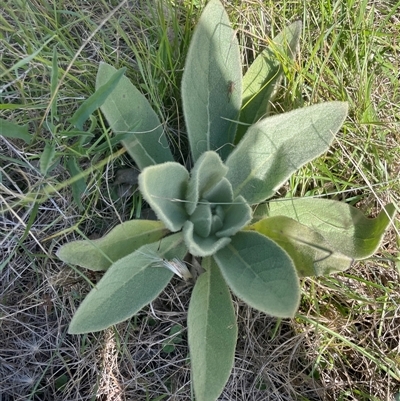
[[289, 360]]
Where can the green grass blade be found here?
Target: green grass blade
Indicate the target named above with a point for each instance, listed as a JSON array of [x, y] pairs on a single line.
[[47, 157], [96, 100]]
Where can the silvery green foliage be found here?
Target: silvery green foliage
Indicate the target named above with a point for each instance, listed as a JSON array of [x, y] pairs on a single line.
[[208, 211]]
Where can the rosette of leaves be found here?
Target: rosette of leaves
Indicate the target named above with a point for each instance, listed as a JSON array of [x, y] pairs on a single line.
[[209, 210]]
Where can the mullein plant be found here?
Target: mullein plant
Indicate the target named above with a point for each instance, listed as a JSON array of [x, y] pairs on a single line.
[[210, 211]]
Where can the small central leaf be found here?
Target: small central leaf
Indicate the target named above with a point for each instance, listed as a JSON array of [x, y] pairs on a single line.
[[217, 223], [202, 220], [206, 175]]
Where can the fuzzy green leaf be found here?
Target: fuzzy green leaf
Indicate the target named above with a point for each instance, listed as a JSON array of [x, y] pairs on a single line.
[[261, 273], [236, 216], [202, 220], [275, 147], [128, 285], [130, 115], [164, 187], [122, 240], [264, 73], [211, 83], [79, 186], [212, 332], [96, 100], [343, 226], [200, 246], [220, 193], [311, 253], [12, 130], [206, 173]]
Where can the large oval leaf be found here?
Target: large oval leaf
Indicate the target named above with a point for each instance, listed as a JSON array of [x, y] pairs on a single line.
[[122, 240], [130, 115], [128, 285], [211, 83], [342, 225], [212, 333], [275, 147], [311, 253], [261, 273]]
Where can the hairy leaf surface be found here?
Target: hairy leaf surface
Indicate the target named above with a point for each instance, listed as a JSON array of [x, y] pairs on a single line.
[[211, 83], [164, 187], [261, 273], [212, 333], [343, 226], [96, 100], [122, 240], [275, 147], [311, 253], [130, 115], [128, 285], [206, 173], [263, 75]]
